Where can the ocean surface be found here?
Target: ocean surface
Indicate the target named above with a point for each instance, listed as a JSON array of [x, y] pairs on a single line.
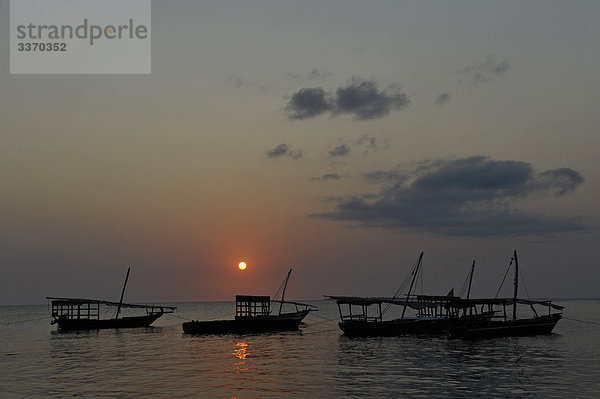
[[316, 362]]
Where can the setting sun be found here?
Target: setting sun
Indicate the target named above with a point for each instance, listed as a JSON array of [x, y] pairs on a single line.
[[242, 265]]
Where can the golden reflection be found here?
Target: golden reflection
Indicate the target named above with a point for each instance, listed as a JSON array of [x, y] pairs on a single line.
[[241, 351]]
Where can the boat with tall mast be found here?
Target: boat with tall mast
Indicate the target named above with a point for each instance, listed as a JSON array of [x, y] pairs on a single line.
[[75, 314], [502, 324], [255, 314], [364, 316]]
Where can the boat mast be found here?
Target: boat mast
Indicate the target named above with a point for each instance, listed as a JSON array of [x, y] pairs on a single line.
[[471, 278], [416, 272], [122, 293], [516, 285], [283, 293]]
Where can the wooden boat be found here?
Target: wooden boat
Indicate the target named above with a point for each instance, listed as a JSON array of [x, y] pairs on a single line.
[[75, 314], [361, 317], [254, 314], [431, 317], [500, 324]]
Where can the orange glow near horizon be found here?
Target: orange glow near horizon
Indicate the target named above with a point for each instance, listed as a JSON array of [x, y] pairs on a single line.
[[242, 265]]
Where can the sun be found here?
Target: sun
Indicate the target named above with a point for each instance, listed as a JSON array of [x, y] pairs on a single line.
[[242, 265]]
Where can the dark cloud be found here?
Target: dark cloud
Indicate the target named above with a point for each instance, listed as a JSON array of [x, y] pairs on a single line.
[[558, 181], [308, 103], [486, 71], [364, 100], [340, 151], [467, 197], [442, 99], [329, 176], [361, 98], [284, 150]]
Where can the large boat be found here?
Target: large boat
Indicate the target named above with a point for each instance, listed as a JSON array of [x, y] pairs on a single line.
[[364, 316], [254, 314], [75, 314], [502, 324]]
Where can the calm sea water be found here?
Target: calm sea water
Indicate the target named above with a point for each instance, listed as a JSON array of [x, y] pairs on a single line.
[[316, 362]]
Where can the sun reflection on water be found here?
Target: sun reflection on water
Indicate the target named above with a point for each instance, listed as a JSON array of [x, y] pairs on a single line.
[[241, 351]]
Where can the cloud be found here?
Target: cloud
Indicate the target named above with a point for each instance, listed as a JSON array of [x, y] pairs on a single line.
[[284, 150], [313, 74], [486, 71], [329, 176], [384, 176], [442, 99], [238, 83], [361, 98], [367, 140], [472, 196], [308, 103], [340, 151], [364, 100], [235, 82]]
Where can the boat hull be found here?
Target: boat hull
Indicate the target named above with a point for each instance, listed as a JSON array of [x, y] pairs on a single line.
[[65, 324], [358, 328], [510, 328], [284, 322]]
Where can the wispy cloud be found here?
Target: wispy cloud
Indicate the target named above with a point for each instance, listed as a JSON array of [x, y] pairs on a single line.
[[313, 74], [466, 197], [284, 150], [329, 176], [367, 140], [235, 82], [442, 99], [238, 83], [340, 151], [385, 176], [491, 68], [360, 98]]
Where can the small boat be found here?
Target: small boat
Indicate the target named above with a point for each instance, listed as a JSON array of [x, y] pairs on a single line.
[[362, 317], [501, 324], [76, 314], [254, 314]]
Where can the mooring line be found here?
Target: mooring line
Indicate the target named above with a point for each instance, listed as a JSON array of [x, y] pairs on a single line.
[[321, 317]]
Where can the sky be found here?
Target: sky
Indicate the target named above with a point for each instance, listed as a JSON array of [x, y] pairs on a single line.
[[337, 138]]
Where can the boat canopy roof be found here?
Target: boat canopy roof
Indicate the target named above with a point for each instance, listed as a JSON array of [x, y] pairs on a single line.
[[357, 300], [85, 301], [505, 301], [419, 302], [424, 301], [252, 298], [266, 298]]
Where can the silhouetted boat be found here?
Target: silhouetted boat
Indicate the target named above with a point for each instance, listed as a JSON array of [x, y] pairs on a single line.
[[500, 324], [254, 314], [360, 316], [73, 314]]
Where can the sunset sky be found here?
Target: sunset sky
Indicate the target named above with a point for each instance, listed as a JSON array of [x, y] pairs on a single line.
[[338, 138]]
